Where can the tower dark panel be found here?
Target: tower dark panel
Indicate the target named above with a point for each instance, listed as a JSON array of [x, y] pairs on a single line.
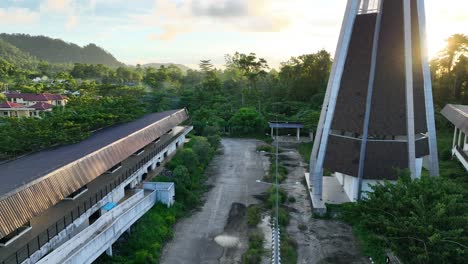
[[378, 114]]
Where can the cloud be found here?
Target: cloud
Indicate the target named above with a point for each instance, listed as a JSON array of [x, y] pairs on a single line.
[[176, 18], [18, 16], [57, 6], [71, 22], [223, 8]]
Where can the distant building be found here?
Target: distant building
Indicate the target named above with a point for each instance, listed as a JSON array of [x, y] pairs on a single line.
[[30, 105], [10, 109], [70, 204], [458, 116], [28, 99]]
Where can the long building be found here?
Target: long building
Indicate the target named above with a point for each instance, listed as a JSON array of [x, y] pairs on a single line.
[[71, 203]]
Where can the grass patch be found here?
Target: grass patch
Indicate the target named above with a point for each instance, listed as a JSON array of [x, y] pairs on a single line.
[[305, 150], [254, 215], [255, 252], [288, 249]]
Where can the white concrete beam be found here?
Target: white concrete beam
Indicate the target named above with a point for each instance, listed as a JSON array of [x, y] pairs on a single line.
[[409, 87], [350, 16], [428, 100]]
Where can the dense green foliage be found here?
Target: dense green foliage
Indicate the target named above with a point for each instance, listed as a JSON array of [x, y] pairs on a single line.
[[66, 125], [246, 121], [155, 228], [12, 54], [423, 221], [450, 72], [59, 51], [254, 253]]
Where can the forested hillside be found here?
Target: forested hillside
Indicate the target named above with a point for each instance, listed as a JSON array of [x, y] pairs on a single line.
[[59, 51], [16, 56]]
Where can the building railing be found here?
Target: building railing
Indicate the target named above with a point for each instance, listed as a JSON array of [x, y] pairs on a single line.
[[46, 236], [461, 152]]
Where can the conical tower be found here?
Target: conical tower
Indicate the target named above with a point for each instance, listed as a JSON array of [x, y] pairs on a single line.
[[378, 112]]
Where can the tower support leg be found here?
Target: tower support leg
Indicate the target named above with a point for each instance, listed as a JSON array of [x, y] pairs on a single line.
[[429, 104], [409, 87]]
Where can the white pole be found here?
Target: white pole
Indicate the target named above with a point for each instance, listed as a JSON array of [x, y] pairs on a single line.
[[409, 87], [430, 120], [352, 9]]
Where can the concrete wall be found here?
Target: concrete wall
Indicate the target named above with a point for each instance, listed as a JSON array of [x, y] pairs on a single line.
[[115, 196], [350, 183], [165, 191], [97, 238]]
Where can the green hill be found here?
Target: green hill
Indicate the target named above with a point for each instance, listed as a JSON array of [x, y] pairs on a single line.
[[16, 56], [59, 51]]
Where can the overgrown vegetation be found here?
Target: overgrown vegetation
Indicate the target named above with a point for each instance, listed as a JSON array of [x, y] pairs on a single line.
[[255, 251], [422, 221], [155, 228], [254, 215], [66, 125]]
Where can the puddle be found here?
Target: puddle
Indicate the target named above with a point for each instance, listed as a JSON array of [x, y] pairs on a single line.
[[227, 241]]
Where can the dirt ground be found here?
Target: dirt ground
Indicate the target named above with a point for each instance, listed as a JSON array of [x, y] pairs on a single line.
[[323, 241], [218, 232]]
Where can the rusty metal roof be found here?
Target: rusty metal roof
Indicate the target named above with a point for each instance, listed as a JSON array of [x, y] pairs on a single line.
[[457, 115], [31, 184]]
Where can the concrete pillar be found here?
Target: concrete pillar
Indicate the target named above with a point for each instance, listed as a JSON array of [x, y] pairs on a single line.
[[454, 137], [109, 251], [465, 144], [311, 135], [271, 133], [298, 132], [459, 138]]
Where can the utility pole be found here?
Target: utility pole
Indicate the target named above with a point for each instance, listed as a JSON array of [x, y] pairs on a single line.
[[276, 231]]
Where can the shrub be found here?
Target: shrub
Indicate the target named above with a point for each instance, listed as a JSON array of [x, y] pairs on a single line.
[[254, 253], [422, 220], [253, 215]]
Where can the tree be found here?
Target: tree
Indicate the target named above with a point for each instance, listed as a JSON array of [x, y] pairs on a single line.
[[450, 72], [247, 121], [203, 150], [422, 220], [251, 68], [206, 66], [306, 75]]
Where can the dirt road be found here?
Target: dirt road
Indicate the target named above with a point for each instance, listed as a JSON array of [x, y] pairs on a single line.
[[217, 233], [320, 241]]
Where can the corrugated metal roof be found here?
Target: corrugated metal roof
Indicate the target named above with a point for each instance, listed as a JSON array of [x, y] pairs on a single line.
[[458, 115], [33, 183]]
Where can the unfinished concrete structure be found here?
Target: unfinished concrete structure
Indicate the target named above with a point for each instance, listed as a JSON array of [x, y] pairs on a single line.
[[70, 204], [378, 110]]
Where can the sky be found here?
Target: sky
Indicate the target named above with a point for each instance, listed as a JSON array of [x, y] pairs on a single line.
[[187, 31]]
